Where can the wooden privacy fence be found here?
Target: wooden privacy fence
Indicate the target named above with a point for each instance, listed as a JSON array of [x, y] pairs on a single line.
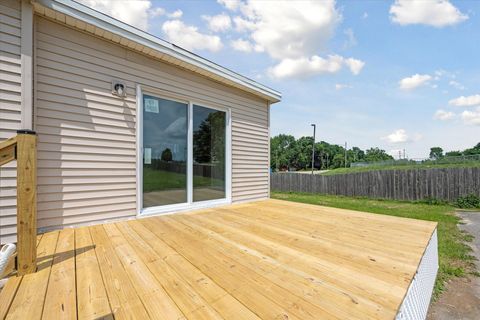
[[412, 184]]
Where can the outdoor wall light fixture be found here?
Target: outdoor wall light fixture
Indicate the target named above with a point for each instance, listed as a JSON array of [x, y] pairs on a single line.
[[119, 88]]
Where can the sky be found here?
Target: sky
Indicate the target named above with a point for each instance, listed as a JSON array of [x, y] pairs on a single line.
[[399, 75]]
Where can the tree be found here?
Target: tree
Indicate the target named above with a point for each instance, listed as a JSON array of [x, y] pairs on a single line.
[[453, 153], [436, 153], [377, 154], [472, 151], [281, 151], [338, 160], [467, 152], [357, 154], [166, 155], [209, 139], [302, 157], [286, 152]]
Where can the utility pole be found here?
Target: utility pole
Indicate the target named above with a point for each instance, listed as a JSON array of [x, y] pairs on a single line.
[[345, 154], [313, 146]]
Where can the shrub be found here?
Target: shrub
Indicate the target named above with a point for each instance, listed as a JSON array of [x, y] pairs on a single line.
[[468, 202]]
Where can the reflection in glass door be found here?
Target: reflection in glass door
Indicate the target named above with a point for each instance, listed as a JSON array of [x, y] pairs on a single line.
[[209, 137], [165, 132]]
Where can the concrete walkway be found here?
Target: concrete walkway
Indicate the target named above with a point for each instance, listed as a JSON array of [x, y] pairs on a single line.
[[462, 299]]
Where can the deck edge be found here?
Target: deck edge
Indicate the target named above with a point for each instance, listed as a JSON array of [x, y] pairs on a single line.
[[417, 300]]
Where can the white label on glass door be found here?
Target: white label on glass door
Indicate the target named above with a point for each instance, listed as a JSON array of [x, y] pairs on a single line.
[[151, 105], [148, 156]]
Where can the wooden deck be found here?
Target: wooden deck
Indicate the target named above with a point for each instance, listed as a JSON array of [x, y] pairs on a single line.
[[265, 260]]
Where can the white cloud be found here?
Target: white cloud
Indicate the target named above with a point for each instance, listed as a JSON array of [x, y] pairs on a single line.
[[355, 65], [468, 101], [437, 13], [242, 25], [189, 37], [401, 136], [471, 117], [176, 14], [295, 33], [230, 4], [307, 67], [443, 115], [397, 136], [156, 12], [241, 45], [292, 29], [218, 23], [340, 86], [415, 81], [457, 85], [134, 13], [365, 15]]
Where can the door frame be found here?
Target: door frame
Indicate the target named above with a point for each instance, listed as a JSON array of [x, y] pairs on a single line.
[[189, 205]]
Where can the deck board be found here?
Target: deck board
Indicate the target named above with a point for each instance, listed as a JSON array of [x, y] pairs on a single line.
[[187, 299], [33, 288], [10, 290], [92, 300], [158, 303], [124, 301], [226, 305], [60, 299], [264, 260], [219, 269], [295, 280]]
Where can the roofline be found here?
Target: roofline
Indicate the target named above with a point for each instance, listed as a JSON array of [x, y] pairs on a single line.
[[103, 21]]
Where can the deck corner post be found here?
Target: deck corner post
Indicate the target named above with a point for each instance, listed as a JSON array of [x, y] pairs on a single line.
[[26, 201]]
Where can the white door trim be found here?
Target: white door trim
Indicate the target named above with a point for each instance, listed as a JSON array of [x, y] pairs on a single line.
[[189, 205]]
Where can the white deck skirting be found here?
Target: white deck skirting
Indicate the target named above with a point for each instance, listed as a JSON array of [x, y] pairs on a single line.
[[416, 302]]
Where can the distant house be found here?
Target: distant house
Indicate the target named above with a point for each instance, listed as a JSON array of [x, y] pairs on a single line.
[[128, 124]]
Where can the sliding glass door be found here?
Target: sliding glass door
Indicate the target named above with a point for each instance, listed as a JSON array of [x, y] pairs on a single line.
[[208, 153], [165, 130], [184, 153]]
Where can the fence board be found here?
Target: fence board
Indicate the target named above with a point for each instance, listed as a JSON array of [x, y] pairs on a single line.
[[411, 184]]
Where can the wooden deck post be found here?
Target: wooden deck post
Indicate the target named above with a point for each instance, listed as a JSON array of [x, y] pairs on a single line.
[[26, 201]]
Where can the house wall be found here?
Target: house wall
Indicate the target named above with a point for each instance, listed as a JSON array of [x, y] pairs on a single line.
[[10, 113], [87, 148]]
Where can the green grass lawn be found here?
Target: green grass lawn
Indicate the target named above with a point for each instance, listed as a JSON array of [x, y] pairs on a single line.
[[400, 167], [455, 259], [157, 180]]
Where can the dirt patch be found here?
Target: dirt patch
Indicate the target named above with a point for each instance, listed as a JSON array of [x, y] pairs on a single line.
[[461, 300]]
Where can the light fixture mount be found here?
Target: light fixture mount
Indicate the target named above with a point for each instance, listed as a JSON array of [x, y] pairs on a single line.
[[119, 88]]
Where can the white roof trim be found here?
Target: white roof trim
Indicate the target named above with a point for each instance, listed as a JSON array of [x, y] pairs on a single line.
[[105, 22]]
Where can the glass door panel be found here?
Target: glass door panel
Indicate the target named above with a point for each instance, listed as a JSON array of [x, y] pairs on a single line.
[[209, 147], [165, 143]]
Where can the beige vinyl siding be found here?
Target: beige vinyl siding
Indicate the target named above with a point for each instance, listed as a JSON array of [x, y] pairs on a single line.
[[87, 142], [10, 113]]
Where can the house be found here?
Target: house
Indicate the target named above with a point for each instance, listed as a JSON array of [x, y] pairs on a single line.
[[128, 124]]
